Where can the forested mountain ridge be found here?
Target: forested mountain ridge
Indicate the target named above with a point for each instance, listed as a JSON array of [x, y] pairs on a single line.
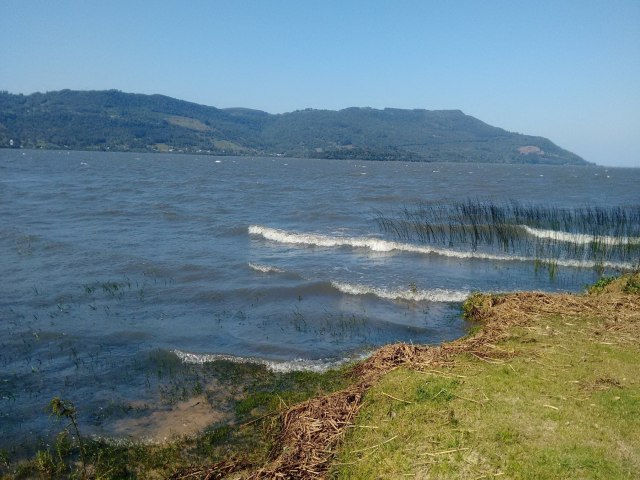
[[118, 121]]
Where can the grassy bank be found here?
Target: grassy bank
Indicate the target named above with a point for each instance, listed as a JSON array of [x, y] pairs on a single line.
[[552, 392], [546, 386]]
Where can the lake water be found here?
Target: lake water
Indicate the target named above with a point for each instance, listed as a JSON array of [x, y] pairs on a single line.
[[110, 261]]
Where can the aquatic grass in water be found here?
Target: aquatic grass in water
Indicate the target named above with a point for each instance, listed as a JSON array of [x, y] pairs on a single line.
[[602, 237]]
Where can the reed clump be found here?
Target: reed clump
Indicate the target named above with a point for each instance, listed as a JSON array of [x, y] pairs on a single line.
[[597, 236]]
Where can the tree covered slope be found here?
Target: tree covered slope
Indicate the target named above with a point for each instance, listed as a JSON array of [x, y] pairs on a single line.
[[117, 121]]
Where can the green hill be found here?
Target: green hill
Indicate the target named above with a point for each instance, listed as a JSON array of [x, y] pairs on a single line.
[[117, 121]]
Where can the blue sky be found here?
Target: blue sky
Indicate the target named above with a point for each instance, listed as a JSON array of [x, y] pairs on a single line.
[[568, 70]]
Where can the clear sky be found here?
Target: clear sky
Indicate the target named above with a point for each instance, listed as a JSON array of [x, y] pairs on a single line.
[[568, 70]]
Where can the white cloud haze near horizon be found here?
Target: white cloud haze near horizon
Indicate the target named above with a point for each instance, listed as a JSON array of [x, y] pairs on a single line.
[[568, 71]]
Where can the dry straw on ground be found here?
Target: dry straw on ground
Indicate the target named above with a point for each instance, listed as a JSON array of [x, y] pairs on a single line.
[[311, 431]]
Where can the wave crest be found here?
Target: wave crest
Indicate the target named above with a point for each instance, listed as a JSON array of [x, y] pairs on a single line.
[[264, 268], [434, 295], [284, 366], [578, 238], [378, 245]]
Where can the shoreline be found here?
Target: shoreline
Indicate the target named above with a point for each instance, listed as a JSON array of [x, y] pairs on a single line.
[[312, 425], [312, 430]]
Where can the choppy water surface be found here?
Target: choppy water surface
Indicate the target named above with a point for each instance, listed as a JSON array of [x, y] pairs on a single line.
[[114, 264]]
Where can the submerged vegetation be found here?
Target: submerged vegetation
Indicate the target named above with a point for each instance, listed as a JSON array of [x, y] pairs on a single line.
[[601, 237]]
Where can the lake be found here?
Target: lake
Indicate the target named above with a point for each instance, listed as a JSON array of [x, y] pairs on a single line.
[[114, 263]]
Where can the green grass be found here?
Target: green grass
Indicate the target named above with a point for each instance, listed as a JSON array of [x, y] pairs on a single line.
[[600, 285], [567, 405]]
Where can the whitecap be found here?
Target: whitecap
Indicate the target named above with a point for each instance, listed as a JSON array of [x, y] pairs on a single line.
[[578, 238], [412, 294], [277, 366], [264, 268], [379, 245]]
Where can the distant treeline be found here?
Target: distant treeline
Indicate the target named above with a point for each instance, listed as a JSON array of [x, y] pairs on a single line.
[[117, 121]]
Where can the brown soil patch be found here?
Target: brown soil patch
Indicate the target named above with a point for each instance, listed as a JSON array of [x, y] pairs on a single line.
[[185, 418]]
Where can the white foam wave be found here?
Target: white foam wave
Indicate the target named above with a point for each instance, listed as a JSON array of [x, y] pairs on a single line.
[[578, 238], [434, 295], [379, 245], [295, 365], [264, 268]]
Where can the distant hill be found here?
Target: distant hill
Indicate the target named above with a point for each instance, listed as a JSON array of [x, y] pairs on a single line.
[[117, 121]]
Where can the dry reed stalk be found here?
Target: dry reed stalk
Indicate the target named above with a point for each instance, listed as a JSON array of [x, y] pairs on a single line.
[[396, 398]]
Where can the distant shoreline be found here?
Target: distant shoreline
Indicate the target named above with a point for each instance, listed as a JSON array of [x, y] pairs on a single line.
[[111, 120]]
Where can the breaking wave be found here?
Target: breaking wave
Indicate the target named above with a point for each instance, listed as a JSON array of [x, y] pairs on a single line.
[[379, 245], [435, 295], [284, 366], [264, 268], [409, 293], [578, 238]]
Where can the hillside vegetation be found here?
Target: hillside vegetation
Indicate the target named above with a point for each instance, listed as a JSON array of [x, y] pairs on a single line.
[[117, 121]]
